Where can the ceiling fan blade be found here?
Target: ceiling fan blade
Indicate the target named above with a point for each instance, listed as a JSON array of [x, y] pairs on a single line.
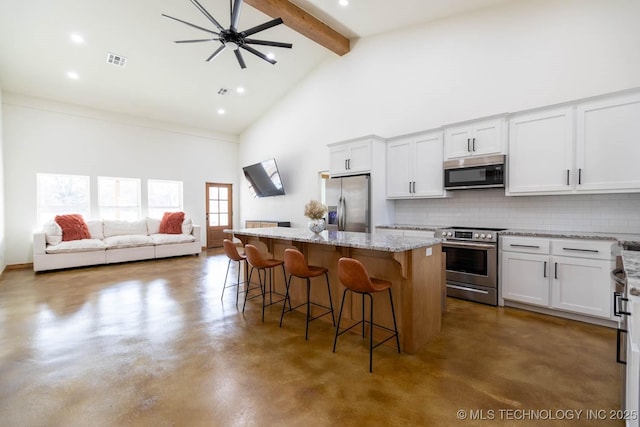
[[235, 14], [196, 41], [260, 54], [261, 27], [240, 59], [207, 14], [216, 53], [191, 25], [268, 43]]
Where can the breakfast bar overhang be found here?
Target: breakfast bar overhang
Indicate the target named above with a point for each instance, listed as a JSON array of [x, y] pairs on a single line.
[[413, 265]]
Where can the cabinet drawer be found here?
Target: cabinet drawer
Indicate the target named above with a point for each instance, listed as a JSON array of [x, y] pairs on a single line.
[[597, 249], [532, 245]]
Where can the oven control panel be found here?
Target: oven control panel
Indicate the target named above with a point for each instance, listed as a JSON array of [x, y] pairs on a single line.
[[468, 234]]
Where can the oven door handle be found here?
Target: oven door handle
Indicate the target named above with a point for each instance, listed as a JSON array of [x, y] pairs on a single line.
[[468, 245]]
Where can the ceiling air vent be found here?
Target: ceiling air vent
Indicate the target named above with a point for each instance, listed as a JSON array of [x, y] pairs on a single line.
[[115, 59], [222, 91]]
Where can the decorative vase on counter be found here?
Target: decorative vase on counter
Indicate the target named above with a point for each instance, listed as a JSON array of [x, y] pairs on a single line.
[[317, 225]]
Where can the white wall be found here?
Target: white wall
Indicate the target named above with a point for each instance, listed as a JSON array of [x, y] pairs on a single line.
[[521, 55], [48, 137], [3, 231]]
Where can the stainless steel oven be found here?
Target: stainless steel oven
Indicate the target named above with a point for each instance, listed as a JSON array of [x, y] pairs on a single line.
[[472, 263]]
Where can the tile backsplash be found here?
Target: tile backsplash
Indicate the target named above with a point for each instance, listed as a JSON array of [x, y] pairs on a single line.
[[616, 213]]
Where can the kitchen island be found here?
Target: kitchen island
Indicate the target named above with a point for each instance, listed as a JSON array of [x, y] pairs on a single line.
[[412, 265]]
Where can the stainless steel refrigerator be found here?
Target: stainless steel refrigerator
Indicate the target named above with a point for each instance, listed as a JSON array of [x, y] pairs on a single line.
[[348, 203]]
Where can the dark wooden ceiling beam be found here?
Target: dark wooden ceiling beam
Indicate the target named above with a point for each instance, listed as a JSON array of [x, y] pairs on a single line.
[[307, 25]]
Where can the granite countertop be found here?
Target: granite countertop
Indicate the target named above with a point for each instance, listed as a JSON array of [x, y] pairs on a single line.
[[622, 238], [378, 242], [410, 227], [631, 262]]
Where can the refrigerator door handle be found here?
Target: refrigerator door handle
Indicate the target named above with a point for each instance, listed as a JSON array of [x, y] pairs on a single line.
[[342, 220]]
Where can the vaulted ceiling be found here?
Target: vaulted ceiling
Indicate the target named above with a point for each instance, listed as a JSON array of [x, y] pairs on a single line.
[[171, 82]]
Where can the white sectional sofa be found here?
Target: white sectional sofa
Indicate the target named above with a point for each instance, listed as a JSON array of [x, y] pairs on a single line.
[[112, 242]]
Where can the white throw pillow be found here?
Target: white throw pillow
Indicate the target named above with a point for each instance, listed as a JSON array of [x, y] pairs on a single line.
[[153, 226], [95, 229], [187, 226], [52, 232]]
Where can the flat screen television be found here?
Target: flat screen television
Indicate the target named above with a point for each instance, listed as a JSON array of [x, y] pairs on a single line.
[[264, 179]]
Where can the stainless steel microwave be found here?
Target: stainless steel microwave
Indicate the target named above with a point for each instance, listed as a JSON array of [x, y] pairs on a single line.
[[474, 172]]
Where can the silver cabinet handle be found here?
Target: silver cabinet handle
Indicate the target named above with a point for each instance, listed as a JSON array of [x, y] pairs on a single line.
[[556, 270], [468, 144], [580, 176], [524, 246], [473, 144], [544, 271], [568, 176]]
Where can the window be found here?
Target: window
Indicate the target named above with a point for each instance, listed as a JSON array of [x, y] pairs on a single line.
[[119, 198], [62, 194], [163, 196], [219, 205]]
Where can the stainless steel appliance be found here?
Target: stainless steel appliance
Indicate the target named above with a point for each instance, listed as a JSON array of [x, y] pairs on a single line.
[[347, 200], [474, 172], [620, 300], [472, 263]]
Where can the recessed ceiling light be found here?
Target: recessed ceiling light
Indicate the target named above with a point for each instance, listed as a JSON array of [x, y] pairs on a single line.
[[271, 55], [343, 2], [240, 89], [221, 111], [76, 38], [72, 75]]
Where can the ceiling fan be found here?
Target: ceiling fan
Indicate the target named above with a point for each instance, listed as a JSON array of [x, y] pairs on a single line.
[[231, 38]]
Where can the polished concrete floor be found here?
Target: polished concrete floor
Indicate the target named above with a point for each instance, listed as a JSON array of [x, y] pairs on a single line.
[[151, 344]]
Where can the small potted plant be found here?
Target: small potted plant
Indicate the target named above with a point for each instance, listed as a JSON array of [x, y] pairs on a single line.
[[315, 211]]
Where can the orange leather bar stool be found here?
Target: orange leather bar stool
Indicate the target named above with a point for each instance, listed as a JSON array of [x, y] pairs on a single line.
[[355, 278], [263, 265], [296, 265], [231, 251]]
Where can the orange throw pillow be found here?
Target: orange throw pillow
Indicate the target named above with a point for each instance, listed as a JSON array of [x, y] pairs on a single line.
[[172, 223], [73, 227]]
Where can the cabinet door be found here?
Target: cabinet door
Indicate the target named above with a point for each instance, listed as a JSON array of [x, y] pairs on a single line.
[[607, 144], [487, 138], [458, 142], [399, 174], [474, 139], [541, 152], [582, 286], [359, 160], [427, 165], [338, 160], [525, 278]]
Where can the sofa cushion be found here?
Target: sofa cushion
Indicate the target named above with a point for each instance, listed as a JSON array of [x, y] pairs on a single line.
[[172, 223], [73, 227], [128, 241], [95, 229], [52, 232], [153, 225], [83, 245], [187, 226], [164, 239], [123, 228]]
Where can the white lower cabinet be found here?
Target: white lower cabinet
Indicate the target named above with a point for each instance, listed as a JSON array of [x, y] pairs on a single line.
[[561, 274], [525, 278]]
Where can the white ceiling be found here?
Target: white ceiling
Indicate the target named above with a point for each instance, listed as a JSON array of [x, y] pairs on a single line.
[[172, 82]]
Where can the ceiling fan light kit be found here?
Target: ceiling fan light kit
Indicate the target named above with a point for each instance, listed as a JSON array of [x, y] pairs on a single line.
[[231, 38]]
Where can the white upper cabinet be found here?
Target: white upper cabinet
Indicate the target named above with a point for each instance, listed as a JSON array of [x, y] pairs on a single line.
[[350, 158], [477, 138], [608, 144], [414, 166], [541, 152], [585, 147]]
